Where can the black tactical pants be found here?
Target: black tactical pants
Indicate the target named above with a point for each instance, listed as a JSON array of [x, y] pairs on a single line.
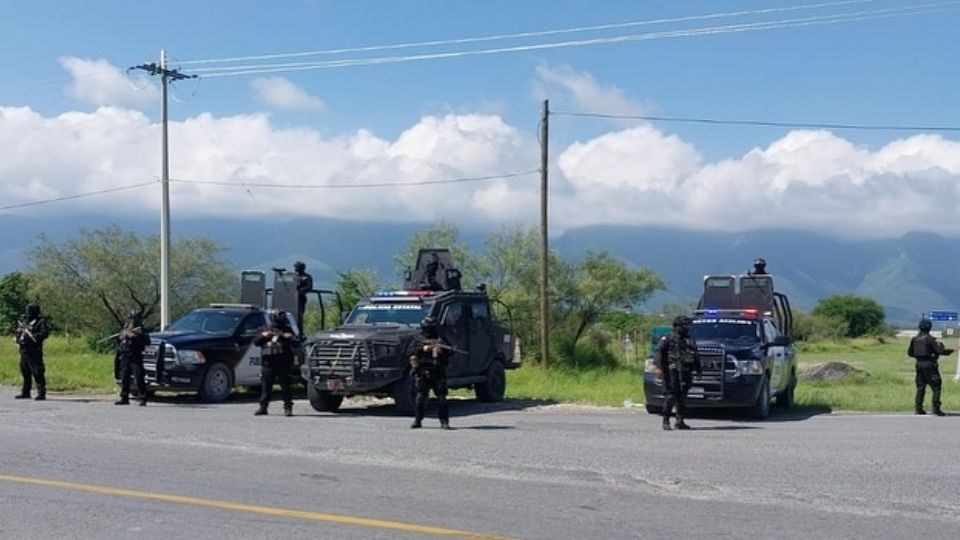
[[275, 371], [428, 377], [132, 365], [676, 393], [31, 367], [928, 373]]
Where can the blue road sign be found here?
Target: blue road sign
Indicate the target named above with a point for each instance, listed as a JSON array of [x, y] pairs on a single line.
[[943, 316]]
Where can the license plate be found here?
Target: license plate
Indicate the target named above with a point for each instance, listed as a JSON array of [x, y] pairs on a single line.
[[334, 384]]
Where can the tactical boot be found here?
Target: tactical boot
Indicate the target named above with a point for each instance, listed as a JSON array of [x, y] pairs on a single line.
[[40, 397], [445, 425], [288, 411], [938, 412], [22, 396], [666, 424], [122, 401], [143, 403], [681, 424], [920, 411], [261, 411], [416, 425]]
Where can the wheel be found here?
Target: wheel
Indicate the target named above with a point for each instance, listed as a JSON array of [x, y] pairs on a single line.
[[761, 409], [493, 387], [217, 383], [322, 400], [785, 400], [653, 409], [404, 394]]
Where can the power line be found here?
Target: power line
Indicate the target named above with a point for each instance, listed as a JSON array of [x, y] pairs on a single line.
[[759, 123], [359, 186], [76, 196], [520, 35], [877, 14]]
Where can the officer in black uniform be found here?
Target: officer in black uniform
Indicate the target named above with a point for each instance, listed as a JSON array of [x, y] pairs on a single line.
[[677, 359], [276, 342], [927, 350], [428, 361], [131, 341], [32, 330], [304, 286], [759, 267]]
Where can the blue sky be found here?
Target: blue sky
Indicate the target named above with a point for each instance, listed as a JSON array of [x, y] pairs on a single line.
[[895, 68]]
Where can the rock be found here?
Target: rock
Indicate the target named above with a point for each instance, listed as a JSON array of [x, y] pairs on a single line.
[[833, 371]]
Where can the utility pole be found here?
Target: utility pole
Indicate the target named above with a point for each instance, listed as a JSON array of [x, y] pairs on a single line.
[[544, 251], [166, 75]]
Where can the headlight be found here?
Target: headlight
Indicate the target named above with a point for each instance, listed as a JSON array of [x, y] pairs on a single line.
[[190, 357], [750, 367]]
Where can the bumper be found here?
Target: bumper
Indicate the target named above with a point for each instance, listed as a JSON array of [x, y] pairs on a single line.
[[737, 392], [175, 378], [347, 385]]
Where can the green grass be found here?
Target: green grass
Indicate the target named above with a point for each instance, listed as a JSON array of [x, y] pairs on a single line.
[[70, 366]]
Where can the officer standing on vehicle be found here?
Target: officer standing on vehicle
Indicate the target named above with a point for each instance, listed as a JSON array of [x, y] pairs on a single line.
[[31, 331], [304, 286], [131, 341], [276, 343], [926, 349], [677, 359], [429, 364], [759, 268]]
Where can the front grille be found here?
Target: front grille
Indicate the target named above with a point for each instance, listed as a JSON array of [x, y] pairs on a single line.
[[341, 358], [150, 360], [712, 361]]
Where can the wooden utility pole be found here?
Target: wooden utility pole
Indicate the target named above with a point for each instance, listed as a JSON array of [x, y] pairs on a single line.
[[544, 250]]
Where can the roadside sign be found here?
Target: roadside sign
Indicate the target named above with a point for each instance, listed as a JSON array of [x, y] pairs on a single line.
[[943, 316]]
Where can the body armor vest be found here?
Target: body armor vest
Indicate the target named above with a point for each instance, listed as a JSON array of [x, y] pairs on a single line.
[[681, 352]]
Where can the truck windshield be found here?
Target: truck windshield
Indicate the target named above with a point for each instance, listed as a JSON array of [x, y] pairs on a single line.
[[220, 323], [405, 313], [725, 330]]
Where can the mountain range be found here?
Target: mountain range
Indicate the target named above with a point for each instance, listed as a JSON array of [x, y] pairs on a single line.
[[909, 275]]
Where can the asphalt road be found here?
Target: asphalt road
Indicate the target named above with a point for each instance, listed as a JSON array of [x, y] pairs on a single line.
[[84, 468]]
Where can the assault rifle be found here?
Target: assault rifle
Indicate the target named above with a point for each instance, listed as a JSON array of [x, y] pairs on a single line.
[[23, 329], [444, 346]]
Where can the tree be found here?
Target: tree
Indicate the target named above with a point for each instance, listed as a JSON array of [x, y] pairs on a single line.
[[90, 283], [13, 300], [597, 285], [862, 315], [354, 285]]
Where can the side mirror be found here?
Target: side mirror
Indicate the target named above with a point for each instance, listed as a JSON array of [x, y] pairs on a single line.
[[780, 341]]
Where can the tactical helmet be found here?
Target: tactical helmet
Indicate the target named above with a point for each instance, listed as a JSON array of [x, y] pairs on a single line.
[[428, 325], [925, 325], [682, 320], [136, 315], [299, 266], [278, 317], [33, 310]]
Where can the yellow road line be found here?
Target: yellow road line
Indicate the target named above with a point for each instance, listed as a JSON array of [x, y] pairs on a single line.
[[242, 507]]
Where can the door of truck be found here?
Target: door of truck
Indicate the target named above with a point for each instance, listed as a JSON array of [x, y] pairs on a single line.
[[454, 324]]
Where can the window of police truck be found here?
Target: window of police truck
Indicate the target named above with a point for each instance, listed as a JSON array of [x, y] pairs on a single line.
[[403, 313], [725, 330], [219, 323]]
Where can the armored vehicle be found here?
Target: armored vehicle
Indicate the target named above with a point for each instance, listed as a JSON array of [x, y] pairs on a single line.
[[743, 330], [210, 350], [369, 352]]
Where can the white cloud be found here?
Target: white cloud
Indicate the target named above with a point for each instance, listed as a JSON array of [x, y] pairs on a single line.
[[279, 92], [639, 175], [97, 82], [566, 87]]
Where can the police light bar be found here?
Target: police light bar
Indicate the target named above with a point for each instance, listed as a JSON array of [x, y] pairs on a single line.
[[403, 293]]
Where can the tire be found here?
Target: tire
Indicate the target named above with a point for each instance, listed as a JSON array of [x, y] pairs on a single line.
[[761, 409], [653, 409], [321, 400], [404, 395], [494, 386], [217, 383], [785, 399]]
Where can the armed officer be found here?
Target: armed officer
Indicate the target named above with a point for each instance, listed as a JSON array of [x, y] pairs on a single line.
[[32, 330], [926, 349], [677, 359], [429, 365], [131, 341], [276, 342], [304, 286]]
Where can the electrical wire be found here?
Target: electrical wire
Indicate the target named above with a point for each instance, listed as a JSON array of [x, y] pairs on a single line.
[[521, 35], [360, 186], [885, 13], [76, 196], [759, 123]]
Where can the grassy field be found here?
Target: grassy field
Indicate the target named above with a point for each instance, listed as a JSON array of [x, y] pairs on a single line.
[[73, 368]]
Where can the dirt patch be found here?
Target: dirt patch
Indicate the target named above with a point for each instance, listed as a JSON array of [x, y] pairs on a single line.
[[833, 371]]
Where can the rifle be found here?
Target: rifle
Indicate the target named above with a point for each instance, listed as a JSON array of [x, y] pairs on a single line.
[[444, 346], [23, 328], [111, 336]]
